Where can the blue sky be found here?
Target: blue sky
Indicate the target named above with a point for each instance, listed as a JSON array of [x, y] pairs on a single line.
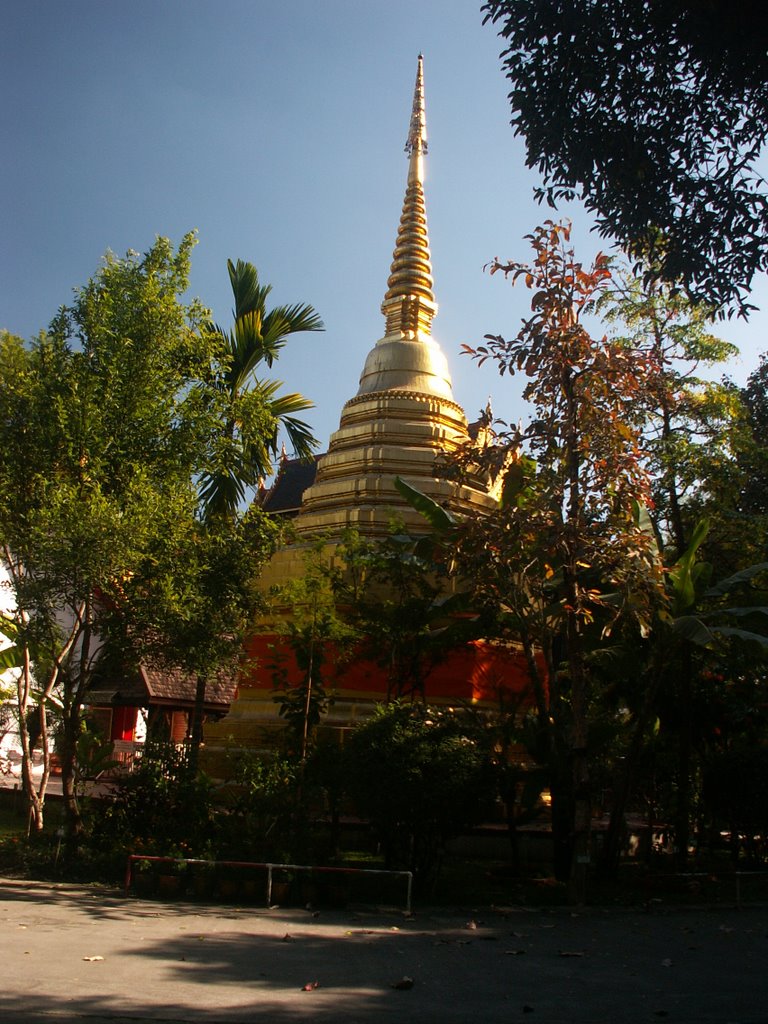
[[277, 131]]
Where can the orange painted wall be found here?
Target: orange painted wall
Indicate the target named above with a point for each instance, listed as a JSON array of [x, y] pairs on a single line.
[[477, 671]]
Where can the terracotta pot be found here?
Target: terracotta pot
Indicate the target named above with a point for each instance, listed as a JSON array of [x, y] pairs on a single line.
[[168, 885]]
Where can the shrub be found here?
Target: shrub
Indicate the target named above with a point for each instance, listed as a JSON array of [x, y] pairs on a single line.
[[420, 776]]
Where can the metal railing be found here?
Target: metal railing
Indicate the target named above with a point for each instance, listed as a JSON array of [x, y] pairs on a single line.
[[270, 868]]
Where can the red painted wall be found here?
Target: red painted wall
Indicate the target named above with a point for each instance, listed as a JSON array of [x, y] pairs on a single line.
[[123, 723], [477, 671]]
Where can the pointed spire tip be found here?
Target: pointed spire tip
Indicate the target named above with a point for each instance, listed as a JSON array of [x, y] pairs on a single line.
[[417, 130]]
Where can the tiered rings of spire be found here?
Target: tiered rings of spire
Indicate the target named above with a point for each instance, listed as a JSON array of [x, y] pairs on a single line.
[[409, 304], [407, 357]]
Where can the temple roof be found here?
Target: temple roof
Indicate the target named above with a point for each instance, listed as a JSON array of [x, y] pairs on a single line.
[[294, 476], [171, 687]]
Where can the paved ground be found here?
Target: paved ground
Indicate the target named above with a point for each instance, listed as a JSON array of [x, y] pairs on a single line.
[[78, 954]]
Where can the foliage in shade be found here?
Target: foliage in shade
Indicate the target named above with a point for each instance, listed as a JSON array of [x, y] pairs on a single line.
[[420, 776], [655, 113]]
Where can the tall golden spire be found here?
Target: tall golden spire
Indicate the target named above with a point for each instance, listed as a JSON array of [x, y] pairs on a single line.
[[403, 419], [409, 304]]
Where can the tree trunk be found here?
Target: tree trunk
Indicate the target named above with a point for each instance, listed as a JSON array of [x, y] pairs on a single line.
[[73, 821], [573, 538], [622, 792], [196, 731], [683, 809], [35, 797], [579, 766], [562, 822], [74, 694]]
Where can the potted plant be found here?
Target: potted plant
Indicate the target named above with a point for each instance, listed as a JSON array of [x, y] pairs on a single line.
[[282, 882]]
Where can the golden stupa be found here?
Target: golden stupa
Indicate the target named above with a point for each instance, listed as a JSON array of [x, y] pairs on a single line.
[[402, 422], [403, 419]]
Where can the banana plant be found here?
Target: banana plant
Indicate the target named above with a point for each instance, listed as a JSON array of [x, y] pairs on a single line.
[[689, 587]]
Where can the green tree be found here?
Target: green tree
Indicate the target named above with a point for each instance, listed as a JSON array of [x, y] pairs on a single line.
[[394, 594], [566, 553], [690, 427], [655, 114], [313, 641], [253, 408], [107, 422], [702, 629], [420, 776]]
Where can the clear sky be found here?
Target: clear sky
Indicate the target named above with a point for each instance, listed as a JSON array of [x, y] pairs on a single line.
[[276, 129]]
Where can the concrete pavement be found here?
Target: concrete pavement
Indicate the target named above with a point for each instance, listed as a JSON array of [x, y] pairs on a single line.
[[81, 953]]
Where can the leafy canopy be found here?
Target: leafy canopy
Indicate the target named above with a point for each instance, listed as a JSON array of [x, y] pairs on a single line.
[[107, 422], [655, 113]]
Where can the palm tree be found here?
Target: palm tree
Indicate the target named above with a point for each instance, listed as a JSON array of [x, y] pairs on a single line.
[[256, 410]]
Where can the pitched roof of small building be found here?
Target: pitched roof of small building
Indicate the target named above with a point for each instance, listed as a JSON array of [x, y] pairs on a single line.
[[174, 686], [167, 687]]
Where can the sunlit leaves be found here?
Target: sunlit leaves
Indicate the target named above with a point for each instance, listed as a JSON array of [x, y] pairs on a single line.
[[253, 410], [107, 420]]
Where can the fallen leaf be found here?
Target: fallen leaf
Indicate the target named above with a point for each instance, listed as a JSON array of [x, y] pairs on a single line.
[[404, 983], [310, 986], [514, 952], [666, 962], [287, 938], [471, 925], [92, 958], [570, 952]]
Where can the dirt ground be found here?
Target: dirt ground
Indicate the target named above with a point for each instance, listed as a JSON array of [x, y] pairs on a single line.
[[74, 953]]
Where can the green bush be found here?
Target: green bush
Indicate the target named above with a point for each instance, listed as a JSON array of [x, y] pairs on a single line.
[[163, 807], [420, 776], [265, 819]]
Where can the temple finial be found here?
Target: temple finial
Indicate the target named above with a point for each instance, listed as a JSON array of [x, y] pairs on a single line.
[[417, 130], [409, 304]]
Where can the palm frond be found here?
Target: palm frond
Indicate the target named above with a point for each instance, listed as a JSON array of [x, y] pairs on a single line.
[[221, 492], [300, 437], [294, 319], [256, 337], [249, 295]]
